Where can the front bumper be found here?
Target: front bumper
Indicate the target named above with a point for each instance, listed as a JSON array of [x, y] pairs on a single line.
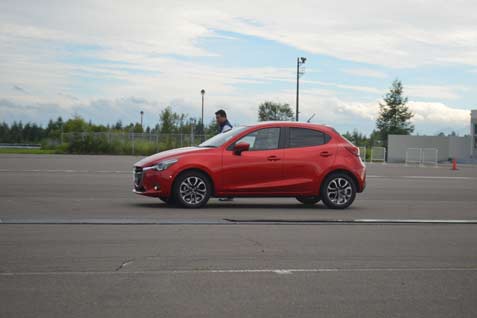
[[152, 183]]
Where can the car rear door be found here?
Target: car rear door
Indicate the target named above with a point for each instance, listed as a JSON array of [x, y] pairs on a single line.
[[308, 154], [257, 171]]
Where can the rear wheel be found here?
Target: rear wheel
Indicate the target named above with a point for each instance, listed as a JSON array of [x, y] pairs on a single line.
[[338, 191], [309, 200], [192, 189]]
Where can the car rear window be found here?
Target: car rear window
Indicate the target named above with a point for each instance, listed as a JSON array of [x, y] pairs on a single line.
[[304, 137]]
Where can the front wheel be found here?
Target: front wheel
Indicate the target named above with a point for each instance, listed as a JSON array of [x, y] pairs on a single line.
[[192, 189], [309, 200], [338, 191]]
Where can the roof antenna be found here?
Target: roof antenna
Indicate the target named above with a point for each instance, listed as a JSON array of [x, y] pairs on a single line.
[[309, 119]]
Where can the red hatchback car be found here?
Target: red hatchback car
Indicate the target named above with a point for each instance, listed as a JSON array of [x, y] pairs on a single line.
[[270, 159]]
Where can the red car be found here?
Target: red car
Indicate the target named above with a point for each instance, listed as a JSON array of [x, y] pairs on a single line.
[[270, 159]]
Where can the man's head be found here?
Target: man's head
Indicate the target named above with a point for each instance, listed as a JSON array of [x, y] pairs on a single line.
[[220, 116]]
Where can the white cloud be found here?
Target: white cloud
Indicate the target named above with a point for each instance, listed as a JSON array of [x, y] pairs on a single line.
[[394, 34], [365, 72], [439, 114], [435, 92]]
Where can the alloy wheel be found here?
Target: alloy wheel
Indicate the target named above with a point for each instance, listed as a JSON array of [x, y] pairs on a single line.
[[193, 190], [339, 191]]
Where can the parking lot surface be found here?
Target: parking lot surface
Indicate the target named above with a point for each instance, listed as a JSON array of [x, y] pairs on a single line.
[[75, 242]]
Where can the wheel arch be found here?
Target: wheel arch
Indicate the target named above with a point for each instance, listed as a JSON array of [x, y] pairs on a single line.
[[341, 170]]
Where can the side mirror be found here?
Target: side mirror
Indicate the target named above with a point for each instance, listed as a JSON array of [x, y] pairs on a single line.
[[241, 146]]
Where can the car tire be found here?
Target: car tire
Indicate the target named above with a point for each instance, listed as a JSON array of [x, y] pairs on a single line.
[[338, 191], [309, 200], [192, 189]]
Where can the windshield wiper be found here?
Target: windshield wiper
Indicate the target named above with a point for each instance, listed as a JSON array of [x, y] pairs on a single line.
[[207, 146]]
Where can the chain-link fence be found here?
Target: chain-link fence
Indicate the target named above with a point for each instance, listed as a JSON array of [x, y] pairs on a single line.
[[429, 156], [362, 153], [378, 154], [413, 156], [422, 156]]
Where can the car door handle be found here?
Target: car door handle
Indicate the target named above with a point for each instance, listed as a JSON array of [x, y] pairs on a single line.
[[273, 158], [325, 154]]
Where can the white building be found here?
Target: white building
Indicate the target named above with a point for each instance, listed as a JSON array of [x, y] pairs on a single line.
[[473, 133], [463, 149]]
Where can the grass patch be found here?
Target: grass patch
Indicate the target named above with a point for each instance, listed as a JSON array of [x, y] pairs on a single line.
[[27, 151]]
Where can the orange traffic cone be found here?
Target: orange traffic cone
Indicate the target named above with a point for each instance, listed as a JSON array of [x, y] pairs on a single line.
[[454, 164]]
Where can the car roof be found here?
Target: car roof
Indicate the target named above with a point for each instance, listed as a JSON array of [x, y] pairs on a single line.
[[291, 124]]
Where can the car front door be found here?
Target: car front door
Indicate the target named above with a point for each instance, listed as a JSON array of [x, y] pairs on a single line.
[[258, 170]]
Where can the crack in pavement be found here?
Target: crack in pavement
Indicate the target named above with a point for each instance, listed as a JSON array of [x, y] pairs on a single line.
[[124, 264]]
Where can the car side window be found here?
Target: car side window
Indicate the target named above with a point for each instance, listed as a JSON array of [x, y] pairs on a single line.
[[262, 139], [304, 137]]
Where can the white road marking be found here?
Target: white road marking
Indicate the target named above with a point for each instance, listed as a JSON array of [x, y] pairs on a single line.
[[412, 221], [128, 172], [422, 177], [438, 177], [248, 271], [64, 171], [231, 222]]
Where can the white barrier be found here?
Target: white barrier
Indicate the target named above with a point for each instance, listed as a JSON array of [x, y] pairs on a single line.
[[362, 153], [378, 154], [429, 156], [422, 156], [413, 156]]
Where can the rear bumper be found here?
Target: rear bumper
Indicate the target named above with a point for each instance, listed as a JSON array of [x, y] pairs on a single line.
[[361, 180]]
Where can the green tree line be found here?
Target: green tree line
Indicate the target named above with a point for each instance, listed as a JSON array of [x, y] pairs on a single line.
[[170, 122]]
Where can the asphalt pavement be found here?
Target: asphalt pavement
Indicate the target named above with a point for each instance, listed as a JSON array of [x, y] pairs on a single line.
[[290, 261]]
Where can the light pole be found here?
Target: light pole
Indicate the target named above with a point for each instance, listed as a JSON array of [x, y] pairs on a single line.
[[142, 114], [299, 62], [202, 92]]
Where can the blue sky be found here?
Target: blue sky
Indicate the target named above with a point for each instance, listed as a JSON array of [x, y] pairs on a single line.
[[107, 62]]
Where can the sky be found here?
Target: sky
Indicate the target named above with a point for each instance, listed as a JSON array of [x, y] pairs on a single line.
[[108, 60]]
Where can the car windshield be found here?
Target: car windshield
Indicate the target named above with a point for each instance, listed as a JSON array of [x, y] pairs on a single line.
[[220, 139]]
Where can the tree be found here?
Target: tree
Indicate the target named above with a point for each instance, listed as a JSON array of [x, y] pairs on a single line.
[[212, 128], [394, 115], [274, 111], [357, 138], [375, 139], [118, 125], [168, 120], [76, 124]]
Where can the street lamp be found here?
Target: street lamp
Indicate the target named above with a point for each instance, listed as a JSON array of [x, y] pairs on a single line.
[[142, 114], [299, 62], [202, 92]]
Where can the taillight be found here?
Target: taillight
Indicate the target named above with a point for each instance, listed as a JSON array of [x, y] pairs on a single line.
[[354, 150]]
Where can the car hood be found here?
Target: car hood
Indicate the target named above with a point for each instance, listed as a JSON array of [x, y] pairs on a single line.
[[149, 161]]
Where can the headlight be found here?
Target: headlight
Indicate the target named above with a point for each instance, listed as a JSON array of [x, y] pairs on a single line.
[[163, 165]]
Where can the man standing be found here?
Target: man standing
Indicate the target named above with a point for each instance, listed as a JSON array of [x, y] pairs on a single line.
[[222, 121], [223, 126]]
